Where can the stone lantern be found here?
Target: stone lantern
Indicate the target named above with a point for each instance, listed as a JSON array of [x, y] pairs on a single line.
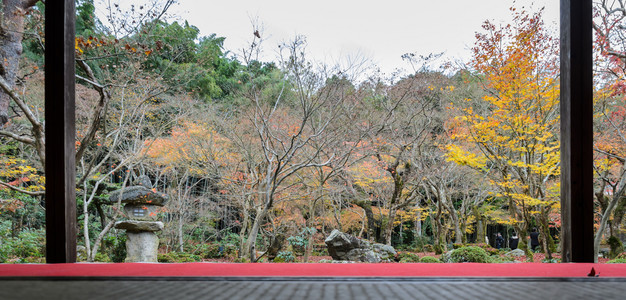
[[141, 204]]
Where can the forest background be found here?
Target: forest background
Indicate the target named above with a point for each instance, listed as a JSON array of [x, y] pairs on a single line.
[[261, 160]]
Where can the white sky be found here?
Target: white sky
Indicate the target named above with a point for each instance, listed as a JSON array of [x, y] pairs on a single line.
[[379, 30]]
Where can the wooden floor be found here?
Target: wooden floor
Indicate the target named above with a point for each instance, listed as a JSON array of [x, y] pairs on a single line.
[[309, 288]]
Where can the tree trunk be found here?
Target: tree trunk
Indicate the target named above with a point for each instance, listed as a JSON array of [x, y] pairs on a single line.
[[458, 234], [389, 228], [254, 232], [180, 231], [617, 195], [12, 15], [480, 227], [371, 222], [418, 224]]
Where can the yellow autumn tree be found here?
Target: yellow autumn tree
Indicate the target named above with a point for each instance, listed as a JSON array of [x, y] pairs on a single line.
[[511, 133]]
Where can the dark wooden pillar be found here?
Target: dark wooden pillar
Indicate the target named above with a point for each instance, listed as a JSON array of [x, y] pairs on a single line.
[[60, 163], [576, 131]]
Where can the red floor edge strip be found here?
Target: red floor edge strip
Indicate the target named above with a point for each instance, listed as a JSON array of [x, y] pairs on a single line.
[[306, 270]]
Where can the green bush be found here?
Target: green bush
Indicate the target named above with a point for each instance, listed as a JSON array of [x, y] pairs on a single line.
[[241, 260], [615, 245], [429, 259], [284, 256], [428, 248], [101, 257], [209, 251], [32, 260], [617, 261], [118, 251], [496, 259], [457, 246], [419, 243], [298, 244], [469, 254], [488, 248], [408, 257], [178, 257]]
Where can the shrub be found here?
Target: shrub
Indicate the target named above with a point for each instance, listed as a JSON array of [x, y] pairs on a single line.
[[457, 245], [617, 261], [320, 250], [616, 246], [118, 252], [428, 248], [298, 244], [209, 251], [101, 257], [241, 260], [419, 243], [469, 254], [32, 260], [488, 248], [621, 255], [496, 259], [408, 257], [178, 257], [429, 259], [284, 256], [30, 243]]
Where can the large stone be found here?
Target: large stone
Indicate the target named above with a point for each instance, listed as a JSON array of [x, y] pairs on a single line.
[[139, 226], [342, 246], [141, 247], [515, 253], [138, 195]]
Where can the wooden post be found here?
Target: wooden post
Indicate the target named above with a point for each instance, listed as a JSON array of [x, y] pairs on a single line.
[[576, 131], [60, 136]]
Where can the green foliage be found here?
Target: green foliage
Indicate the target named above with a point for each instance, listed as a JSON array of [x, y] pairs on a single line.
[[85, 17], [118, 249], [497, 259], [457, 246], [178, 257], [419, 243], [408, 257], [29, 243], [469, 254], [615, 245], [488, 248], [617, 261], [438, 248], [241, 260], [429, 259], [298, 241], [209, 251], [284, 256], [101, 257]]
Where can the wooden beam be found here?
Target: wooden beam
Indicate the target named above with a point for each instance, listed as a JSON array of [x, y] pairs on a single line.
[[60, 135], [576, 131]]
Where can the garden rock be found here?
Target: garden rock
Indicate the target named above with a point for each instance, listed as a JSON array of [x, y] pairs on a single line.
[[345, 247], [515, 253]]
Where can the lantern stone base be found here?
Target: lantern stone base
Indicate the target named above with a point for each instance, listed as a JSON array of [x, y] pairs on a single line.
[[141, 246]]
